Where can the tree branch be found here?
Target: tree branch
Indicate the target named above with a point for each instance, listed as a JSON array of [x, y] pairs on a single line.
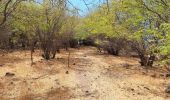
[[5, 12], [149, 9]]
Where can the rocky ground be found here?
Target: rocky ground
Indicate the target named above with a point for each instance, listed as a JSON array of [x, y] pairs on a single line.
[[89, 76]]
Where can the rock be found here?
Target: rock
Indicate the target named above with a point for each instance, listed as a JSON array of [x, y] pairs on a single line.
[[132, 89], [87, 91], [167, 90], [165, 74], [153, 75], [9, 74], [67, 72], [1, 65], [74, 63]]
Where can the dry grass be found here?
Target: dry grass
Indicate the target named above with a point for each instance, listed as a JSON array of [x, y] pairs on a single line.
[[91, 76]]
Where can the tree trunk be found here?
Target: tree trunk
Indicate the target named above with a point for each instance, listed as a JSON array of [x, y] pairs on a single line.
[[113, 51], [146, 61], [33, 44]]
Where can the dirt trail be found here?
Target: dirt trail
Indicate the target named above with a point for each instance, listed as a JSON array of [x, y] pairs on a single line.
[[91, 76]]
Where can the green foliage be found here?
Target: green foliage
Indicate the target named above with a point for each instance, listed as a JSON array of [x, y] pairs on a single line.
[[26, 18], [146, 22], [165, 48], [101, 22]]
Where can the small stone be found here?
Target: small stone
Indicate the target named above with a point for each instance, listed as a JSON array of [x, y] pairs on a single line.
[[67, 72], [153, 75], [87, 91], [11, 83], [1, 65], [9, 74], [167, 75], [167, 90]]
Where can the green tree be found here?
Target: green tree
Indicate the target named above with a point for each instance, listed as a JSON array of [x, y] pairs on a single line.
[[143, 20], [48, 23]]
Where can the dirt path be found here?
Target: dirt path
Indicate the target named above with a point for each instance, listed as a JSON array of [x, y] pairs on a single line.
[[91, 76]]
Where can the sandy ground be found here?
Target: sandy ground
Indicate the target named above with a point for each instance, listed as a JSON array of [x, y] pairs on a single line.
[[90, 76]]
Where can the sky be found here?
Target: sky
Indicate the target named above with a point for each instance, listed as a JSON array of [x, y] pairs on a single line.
[[80, 4]]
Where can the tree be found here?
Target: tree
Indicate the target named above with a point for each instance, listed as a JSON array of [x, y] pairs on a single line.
[[7, 7], [105, 28], [143, 24], [48, 24]]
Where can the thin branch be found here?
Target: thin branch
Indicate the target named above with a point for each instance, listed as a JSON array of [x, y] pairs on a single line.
[[86, 5], [74, 7], [107, 1], [5, 12], [165, 3], [149, 9]]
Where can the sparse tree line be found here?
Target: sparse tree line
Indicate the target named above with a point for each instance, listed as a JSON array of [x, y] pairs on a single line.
[[139, 26], [27, 24], [117, 27]]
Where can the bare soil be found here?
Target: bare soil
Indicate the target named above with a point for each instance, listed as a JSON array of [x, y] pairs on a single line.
[[90, 76]]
